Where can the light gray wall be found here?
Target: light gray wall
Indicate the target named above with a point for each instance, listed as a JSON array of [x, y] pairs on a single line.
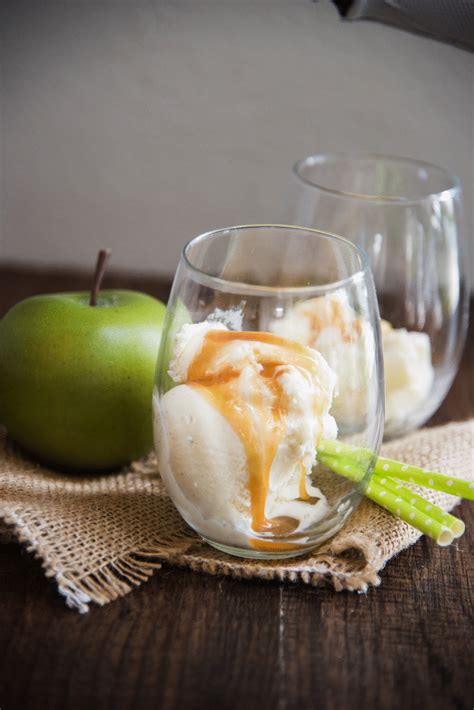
[[140, 124]]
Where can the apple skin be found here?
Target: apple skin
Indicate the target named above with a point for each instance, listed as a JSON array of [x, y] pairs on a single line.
[[76, 380]]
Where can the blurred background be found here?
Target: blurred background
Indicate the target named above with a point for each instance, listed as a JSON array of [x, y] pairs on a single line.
[[137, 125]]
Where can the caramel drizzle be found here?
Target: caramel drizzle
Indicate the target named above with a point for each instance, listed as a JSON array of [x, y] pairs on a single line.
[[260, 420], [304, 495], [349, 331]]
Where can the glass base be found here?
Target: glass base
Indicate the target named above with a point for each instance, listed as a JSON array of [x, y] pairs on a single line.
[[258, 554]]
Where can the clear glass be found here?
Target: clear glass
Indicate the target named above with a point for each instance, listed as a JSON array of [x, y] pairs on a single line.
[[240, 408], [406, 215]]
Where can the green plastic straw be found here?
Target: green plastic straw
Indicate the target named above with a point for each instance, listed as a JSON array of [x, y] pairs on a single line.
[[404, 472], [392, 502], [409, 513], [450, 522], [353, 462], [343, 466], [427, 479]]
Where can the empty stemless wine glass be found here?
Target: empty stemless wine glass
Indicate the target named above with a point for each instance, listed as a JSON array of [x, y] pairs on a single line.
[[406, 215], [243, 411]]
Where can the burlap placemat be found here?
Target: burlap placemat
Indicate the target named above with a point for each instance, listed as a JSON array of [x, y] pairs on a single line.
[[99, 536]]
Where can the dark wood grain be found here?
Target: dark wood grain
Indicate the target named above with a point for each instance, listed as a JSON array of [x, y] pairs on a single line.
[[186, 640]]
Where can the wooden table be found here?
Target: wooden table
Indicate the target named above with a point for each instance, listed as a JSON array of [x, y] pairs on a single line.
[[186, 640]]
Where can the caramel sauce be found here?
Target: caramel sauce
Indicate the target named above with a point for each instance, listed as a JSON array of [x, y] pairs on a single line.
[[259, 419], [303, 493], [272, 545], [349, 331]]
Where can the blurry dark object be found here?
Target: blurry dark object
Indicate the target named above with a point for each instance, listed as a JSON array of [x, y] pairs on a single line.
[[449, 21]]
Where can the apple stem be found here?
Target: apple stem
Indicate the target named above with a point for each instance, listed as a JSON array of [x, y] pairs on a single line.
[[102, 259]]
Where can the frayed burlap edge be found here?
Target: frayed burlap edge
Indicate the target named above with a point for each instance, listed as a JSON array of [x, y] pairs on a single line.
[[99, 537], [103, 584]]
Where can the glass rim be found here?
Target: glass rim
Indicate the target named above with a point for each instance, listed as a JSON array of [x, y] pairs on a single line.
[[242, 287], [454, 181]]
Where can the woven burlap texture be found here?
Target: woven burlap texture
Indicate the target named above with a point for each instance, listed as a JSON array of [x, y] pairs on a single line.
[[100, 536]]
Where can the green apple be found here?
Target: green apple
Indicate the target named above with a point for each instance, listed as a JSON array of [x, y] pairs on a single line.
[[76, 379]]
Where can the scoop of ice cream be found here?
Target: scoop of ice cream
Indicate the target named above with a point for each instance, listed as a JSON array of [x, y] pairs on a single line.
[[408, 371], [202, 463], [329, 325], [237, 436]]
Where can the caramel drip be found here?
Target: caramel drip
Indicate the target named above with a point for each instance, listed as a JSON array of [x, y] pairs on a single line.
[[272, 545], [303, 493], [349, 331], [259, 419]]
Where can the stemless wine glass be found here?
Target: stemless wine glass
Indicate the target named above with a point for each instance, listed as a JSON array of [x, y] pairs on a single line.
[[406, 215], [242, 411]]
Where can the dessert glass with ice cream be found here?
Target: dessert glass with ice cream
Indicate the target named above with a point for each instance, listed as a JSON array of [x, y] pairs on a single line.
[[241, 406], [406, 214]]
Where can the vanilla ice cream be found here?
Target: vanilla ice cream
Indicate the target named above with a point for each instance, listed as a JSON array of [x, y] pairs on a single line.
[[408, 372], [330, 325], [237, 436]]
